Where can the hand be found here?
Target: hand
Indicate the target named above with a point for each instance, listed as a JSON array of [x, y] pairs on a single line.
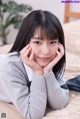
[[27, 56], [60, 53]]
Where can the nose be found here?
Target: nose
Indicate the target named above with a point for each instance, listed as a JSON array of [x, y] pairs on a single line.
[[45, 50]]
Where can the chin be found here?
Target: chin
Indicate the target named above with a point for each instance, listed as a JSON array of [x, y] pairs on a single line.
[[43, 64]]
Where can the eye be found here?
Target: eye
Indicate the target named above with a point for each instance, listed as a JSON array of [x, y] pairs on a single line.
[[37, 42], [53, 42]]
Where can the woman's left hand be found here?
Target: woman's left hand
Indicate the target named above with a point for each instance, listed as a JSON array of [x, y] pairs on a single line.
[[60, 53]]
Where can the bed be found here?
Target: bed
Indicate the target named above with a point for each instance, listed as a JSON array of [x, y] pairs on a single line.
[[72, 110]]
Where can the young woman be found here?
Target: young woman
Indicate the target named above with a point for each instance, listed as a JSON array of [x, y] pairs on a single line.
[[31, 74]]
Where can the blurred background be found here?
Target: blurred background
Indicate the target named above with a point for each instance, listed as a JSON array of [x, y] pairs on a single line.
[[13, 22]]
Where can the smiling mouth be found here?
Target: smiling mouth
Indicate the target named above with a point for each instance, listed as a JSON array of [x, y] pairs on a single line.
[[43, 59]]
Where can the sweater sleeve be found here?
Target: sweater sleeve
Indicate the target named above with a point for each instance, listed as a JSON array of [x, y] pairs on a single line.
[[31, 103], [57, 97]]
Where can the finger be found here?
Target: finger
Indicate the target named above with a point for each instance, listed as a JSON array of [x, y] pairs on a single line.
[[61, 45], [55, 60], [26, 53], [58, 52], [25, 56], [61, 48], [24, 49], [31, 56]]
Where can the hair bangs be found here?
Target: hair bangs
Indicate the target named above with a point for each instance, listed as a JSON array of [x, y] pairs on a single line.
[[48, 32]]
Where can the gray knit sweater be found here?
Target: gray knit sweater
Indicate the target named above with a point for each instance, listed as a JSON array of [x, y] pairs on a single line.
[[30, 102]]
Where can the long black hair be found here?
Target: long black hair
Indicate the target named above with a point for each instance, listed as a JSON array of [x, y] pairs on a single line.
[[50, 27]]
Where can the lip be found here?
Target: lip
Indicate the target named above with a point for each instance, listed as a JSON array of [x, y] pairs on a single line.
[[44, 58]]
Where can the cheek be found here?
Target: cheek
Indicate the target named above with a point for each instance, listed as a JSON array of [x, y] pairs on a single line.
[[34, 49], [54, 50]]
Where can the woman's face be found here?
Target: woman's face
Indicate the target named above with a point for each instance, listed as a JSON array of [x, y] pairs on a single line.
[[44, 49]]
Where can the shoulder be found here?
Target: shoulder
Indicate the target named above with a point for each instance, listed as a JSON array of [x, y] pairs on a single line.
[[13, 57], [7, 60], [11, 66]]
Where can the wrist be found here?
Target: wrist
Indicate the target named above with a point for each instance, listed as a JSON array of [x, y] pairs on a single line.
[[46, 71]]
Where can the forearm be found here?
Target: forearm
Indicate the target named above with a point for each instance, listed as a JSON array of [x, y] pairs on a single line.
[[35, 105], [57, 96], [38, 97]]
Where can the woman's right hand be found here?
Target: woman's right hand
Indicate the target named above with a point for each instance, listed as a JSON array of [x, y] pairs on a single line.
[[27, 56]]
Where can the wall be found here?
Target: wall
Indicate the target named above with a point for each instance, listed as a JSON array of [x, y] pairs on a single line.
[[55, 6]]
